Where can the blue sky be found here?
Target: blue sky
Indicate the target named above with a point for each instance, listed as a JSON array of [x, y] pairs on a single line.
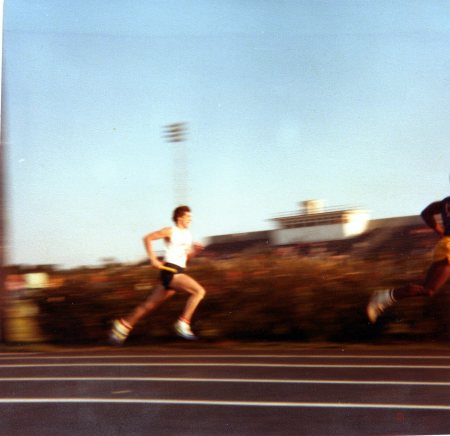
[[345, 101]]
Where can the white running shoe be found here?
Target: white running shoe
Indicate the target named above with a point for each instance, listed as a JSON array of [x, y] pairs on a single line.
[[379, 301], [183, 329], [119, 333]]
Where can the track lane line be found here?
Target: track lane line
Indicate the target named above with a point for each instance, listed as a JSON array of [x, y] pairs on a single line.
[[34, 356], [61, 400], [225, 380], [212, 364]]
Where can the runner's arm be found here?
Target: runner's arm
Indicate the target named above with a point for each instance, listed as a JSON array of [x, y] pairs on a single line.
[[195, 249], [164, 233]]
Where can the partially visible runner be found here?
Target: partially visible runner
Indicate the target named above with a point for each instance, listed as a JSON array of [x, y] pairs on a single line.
[[437, 274], [178, 248]]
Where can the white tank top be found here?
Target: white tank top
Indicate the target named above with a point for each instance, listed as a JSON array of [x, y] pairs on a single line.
[[178, 246]]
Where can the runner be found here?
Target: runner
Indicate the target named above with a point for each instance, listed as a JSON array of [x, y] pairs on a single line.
[[179, 247], [437, 274]]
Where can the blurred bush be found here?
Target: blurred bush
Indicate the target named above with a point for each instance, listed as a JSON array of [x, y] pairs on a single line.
[[257, 297]]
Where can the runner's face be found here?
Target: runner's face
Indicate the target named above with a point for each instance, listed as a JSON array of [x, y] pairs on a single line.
[[185, 220]]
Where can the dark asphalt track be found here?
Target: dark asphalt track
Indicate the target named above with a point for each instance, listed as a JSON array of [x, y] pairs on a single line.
[[195, 390]]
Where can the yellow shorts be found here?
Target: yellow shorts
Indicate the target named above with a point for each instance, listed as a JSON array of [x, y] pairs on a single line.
[[442, 250]]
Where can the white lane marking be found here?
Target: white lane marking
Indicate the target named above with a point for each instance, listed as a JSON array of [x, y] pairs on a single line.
[[18, 355], [227, 356], [223, 403], [228, 364], [224, 380]]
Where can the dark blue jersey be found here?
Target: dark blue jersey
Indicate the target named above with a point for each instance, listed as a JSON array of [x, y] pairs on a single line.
[[445, 213]]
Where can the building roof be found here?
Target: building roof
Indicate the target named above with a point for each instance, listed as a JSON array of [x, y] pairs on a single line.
[[309, 219]]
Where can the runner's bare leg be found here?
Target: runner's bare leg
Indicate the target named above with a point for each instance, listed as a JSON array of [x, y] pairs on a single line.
[[183, 282], [158, 296]]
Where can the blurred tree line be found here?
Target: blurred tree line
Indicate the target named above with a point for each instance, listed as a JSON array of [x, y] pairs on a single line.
[[256, 295]]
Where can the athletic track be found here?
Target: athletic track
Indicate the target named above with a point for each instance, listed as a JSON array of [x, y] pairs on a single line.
[[194, 389]]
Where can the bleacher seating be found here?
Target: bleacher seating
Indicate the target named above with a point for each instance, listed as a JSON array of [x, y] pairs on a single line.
[[376, 243]]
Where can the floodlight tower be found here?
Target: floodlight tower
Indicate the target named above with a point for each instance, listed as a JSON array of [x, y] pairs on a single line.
[[176, 134]]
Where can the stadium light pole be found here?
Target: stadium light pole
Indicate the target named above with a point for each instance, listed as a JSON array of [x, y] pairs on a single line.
[[175, 134]]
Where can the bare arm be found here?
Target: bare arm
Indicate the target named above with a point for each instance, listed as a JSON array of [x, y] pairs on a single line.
[[195, 249], [148, 239], [429, 216]]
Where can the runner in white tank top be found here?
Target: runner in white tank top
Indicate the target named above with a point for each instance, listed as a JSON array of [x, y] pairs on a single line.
[[179, 247]]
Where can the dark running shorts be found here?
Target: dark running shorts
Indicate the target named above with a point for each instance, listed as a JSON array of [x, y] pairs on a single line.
[[167, 276]]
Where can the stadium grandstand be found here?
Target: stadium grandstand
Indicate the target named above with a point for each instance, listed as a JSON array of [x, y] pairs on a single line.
[[316, 230]]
